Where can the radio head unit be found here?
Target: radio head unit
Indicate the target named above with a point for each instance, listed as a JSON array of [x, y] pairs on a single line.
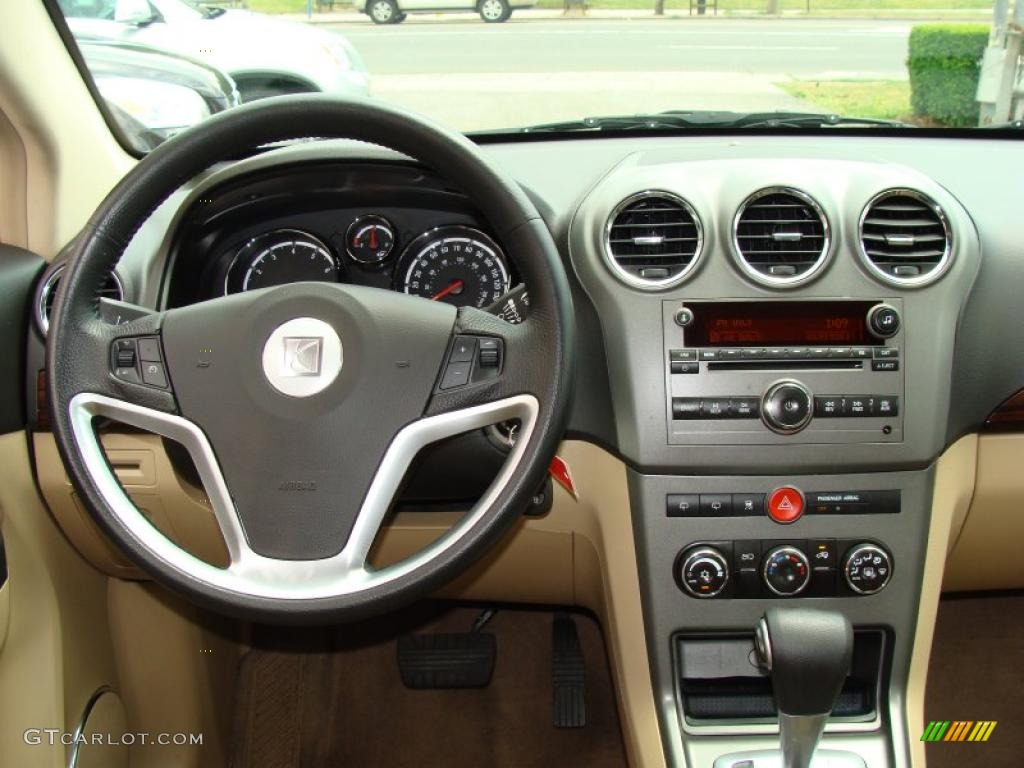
[[783, 371]]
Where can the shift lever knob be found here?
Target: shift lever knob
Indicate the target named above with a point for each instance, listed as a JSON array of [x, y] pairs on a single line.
[[808, 654]]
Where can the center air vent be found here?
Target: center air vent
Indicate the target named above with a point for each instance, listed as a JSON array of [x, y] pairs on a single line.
[[905, 238], [48, 294], [653, 240], [781, 236]]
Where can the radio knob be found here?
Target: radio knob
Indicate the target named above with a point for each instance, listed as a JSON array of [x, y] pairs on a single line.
[[704, 572], [787, 407], [883, 321], [867, 569]]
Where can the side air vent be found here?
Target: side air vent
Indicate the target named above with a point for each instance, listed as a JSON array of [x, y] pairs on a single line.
[[905, 238], [781, 236], [653, 240], [112, 289]]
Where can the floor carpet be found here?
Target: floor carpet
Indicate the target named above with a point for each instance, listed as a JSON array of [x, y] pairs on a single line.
[[307, 700], [977, 673]]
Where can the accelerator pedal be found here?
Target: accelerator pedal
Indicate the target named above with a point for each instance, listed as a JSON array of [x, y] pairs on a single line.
[[569, 674]]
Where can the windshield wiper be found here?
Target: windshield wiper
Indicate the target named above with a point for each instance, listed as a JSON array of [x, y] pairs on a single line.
[[682, 119]]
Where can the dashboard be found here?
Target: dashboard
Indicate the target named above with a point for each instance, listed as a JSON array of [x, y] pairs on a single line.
[[379, 225], [777, 337]]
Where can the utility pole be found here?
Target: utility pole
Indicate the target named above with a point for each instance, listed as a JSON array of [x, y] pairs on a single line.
[[659, 7], [999, 85]]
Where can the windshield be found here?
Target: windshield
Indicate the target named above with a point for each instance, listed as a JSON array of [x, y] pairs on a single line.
[[561, 66]]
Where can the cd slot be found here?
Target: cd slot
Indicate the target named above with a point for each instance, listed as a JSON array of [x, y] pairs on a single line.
[[789, 365]]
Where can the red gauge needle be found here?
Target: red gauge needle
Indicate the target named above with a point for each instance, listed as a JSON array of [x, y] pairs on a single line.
[[455, 286], [373, 239]]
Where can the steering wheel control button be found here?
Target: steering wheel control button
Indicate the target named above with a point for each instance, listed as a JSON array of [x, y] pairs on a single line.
[[867, 569], [704, 572], [883, 321], [456, 375], [786, 571], [149, 350], [302, 357], [154, 375], [787, 407], [463, 350], [785, 505], [489, 355]]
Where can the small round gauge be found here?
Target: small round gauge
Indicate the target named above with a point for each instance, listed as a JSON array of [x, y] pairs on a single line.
[[278, 258], [370, 239], [455, 264]]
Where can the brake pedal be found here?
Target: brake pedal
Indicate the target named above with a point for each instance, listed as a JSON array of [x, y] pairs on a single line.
[[568, 671], [458, 660]]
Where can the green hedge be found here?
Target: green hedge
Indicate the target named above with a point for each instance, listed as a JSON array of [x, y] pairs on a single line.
[[945, 62]]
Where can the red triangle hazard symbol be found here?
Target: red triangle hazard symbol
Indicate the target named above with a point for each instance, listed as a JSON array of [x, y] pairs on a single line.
[[786, 505]]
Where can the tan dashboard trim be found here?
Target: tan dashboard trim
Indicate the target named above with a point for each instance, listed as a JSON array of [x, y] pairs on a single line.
[[954, 488]]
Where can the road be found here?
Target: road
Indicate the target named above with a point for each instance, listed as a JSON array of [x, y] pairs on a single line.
[[477, 76]]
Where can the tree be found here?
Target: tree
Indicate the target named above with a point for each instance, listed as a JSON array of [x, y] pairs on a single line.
[[659, 7]]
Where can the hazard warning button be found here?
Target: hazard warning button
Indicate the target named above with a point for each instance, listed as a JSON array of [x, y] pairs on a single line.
[[785, 505]]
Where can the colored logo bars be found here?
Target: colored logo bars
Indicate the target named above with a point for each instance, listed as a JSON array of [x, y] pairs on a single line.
[[958, 730]]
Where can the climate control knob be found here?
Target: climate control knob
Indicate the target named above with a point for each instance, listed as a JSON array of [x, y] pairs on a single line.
[[867, 569], [787, 406], [787, 571], [703, 572]]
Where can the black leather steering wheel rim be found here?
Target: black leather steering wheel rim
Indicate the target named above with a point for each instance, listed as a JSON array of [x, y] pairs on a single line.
[[78, 340]]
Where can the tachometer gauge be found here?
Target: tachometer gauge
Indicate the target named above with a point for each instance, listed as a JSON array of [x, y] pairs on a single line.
[[278, 258], [370, 239], [455, 264]]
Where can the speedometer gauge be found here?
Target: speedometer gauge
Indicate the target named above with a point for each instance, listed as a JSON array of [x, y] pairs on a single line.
[[278, 258], [455, 264]]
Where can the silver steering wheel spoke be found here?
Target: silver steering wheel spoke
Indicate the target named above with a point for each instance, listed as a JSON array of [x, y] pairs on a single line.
[[252, 574]]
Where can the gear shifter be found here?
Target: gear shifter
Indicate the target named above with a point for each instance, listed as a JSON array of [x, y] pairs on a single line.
[[808, 654]]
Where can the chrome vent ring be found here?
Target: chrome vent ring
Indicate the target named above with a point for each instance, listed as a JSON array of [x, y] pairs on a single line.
[[781, 237], [653, 240], [47, 294], [904, 238]]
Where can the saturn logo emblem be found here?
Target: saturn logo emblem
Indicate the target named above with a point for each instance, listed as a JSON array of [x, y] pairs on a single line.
[[302, 357]]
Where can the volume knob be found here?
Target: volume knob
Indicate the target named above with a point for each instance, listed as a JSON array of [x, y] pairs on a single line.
[[787, 407]]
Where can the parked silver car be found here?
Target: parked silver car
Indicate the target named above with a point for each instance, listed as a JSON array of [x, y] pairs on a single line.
[[395, 11], [265, 56]]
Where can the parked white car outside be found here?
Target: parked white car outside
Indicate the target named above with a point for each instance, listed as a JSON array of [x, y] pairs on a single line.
[[395, 11], [265, 56]]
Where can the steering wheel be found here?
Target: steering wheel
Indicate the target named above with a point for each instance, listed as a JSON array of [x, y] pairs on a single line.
[[303, 406]]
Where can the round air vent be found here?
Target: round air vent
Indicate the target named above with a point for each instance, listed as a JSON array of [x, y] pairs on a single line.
[[781, 236], [112, 289], [653, 240], [905, 238]]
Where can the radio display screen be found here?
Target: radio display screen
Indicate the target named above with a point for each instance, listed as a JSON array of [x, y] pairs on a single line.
[[779, 323]]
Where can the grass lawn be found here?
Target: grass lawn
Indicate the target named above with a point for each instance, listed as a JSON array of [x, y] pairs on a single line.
[[887, 99]]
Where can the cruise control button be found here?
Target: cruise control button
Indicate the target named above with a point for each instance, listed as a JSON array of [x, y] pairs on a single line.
[[715, 505], [153, 374], [785, 505]]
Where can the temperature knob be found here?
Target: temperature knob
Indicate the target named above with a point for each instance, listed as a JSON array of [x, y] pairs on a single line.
[[867, 568], [704, 572], [786, 571]]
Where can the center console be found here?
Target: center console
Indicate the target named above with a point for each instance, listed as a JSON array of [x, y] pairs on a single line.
[[779, 335]]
